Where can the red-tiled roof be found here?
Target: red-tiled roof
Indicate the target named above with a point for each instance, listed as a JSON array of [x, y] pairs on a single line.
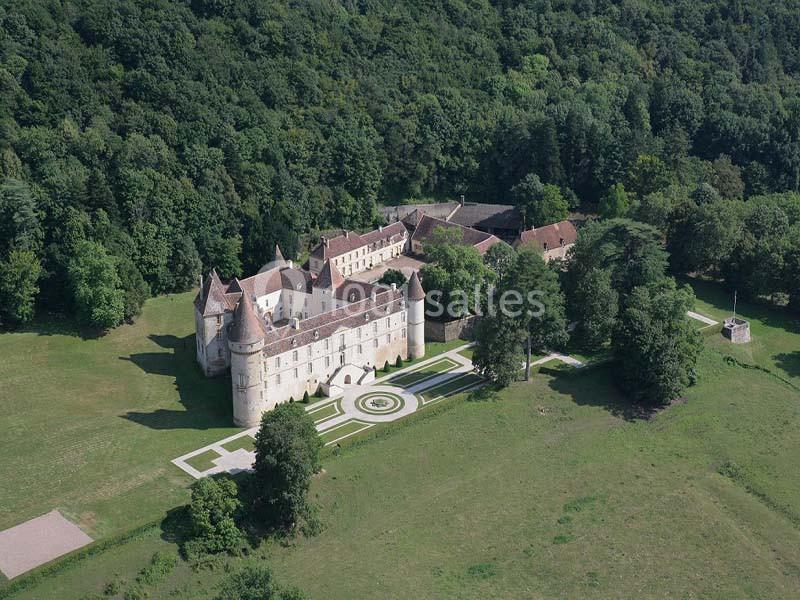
[[329, 277], [350, 241], [426, 225], [549, 237], [283, 339]]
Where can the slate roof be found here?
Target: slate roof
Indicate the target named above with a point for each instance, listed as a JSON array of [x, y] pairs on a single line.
[[319, 327], [415, 291], [212, 298], [350, 241], [494, 216], [246, 327], [550, 236], [439, 210]]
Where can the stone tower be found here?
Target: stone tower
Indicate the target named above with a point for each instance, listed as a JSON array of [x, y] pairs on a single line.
[[246, 341], [416, 318]]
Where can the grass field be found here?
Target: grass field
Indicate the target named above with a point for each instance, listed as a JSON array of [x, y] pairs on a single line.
[[545, 491], [89, 426], [548, 489]]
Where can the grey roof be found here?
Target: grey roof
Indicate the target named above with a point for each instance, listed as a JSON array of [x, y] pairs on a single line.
[[494, 216], [439, 210], [415, 291], [246, 327], [212, 299]]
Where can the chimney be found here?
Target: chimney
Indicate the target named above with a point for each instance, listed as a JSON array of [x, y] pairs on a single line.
[[201, 286], [295, 323], [380, 227], [394, 287], [373, 296], [324, 240], [461, 200], [290, 264]]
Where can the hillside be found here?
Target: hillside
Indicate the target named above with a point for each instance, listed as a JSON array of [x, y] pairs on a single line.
[[175, 136]]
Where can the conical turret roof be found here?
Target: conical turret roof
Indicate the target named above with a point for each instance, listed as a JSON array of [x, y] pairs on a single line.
[[247, 327], [415, 291]]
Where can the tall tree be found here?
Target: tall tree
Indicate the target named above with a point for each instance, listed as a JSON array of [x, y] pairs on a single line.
[[287, 455], [19, 284], [615, 203], [96, 288], [655, 344], [594, 307]]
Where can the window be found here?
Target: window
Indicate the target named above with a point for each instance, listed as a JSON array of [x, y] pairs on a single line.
[[327, 344], [294, 356], [375, 343], [219, 319], [388, 338], [359, 332], [375, 327], [323, 307], [309, 351], [327, 361], [341, 341], [295, 373], [404, 334], [403, 316], [278, 379], [242, 380], [310, 367], [277, 362], [388, 322], [360, 351], [219, 334]]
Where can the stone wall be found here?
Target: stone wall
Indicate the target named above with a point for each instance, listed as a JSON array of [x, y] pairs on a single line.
[[447, 331]]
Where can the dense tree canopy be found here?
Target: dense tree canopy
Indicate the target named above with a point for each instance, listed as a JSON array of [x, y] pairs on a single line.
[[205, 132]]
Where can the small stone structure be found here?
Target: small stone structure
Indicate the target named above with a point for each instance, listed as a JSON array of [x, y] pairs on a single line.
[[447, 331], [736, 330]]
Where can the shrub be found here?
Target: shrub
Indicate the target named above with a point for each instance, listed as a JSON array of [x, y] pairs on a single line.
[[161, 565], [386, 367], [214, 507], [255, 583], [399, 362], [305, 397]]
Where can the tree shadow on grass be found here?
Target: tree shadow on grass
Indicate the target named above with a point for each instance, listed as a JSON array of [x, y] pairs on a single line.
[[789, 362], [595, 386], [206, 400], [56, 324], [715, 294]]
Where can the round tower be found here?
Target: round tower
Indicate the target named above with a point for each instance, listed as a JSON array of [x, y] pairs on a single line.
[[416, 318], [246, 341]]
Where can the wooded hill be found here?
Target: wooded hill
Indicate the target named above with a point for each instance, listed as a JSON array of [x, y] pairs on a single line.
[[141, 141]]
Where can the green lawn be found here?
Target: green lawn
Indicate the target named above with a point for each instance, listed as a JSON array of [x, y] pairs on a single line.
[[449, 387], [408, 379], [244, 442], [90, 425], [345, 429], [548, 489], [204, 461], [775, 332], [545, 491]]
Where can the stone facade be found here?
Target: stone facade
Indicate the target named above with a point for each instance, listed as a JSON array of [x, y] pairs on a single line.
[[353, 253], [285, 332]]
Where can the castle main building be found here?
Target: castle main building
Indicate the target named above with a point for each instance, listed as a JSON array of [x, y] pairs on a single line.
[[286, 331]]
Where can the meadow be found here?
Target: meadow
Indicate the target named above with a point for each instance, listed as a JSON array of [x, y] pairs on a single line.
[[547, 489]]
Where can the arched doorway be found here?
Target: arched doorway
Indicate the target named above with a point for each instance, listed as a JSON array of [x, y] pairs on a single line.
[[348, 380]]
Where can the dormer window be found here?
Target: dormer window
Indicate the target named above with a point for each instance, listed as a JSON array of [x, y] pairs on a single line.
[[545, 246], [561, 242], [316, 335]]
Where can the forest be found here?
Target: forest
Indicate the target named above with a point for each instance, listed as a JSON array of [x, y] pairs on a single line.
[[145, 141]]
